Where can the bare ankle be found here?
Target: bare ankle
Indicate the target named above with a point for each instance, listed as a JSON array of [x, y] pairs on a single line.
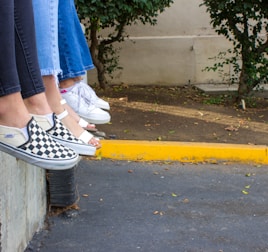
[[67, 83], [37, 104], [13, 112]]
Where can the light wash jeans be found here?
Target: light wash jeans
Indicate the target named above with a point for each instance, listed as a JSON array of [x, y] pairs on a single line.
[[62, 47], [46, 26]]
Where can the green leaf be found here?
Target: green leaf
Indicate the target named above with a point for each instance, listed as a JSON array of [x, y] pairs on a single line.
[[245, 192]]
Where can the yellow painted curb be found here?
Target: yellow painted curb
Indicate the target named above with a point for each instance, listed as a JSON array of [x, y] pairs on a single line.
[[182, 151]]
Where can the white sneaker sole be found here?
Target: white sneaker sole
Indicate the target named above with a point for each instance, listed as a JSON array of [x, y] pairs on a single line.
[[94, 120], [81, 149], [44, 163]]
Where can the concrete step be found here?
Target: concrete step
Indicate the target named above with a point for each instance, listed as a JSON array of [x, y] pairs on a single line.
[[209, 88]]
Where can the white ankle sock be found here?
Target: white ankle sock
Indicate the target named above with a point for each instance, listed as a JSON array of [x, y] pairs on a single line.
[[50, 118], [65, 90], [25, 132]]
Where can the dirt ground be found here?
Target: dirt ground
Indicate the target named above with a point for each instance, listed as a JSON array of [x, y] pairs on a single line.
[[183, 114]]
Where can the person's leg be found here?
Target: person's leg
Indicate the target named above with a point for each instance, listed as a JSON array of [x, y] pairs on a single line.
[[12, 110], [46, 27], [75, 58], [32, 87], [48, 56], [9, 82]]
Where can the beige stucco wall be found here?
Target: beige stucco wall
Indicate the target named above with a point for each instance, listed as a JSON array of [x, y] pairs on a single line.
[[173, 52]]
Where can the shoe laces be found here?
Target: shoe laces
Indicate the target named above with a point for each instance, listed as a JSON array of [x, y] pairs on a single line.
[[84, 92]]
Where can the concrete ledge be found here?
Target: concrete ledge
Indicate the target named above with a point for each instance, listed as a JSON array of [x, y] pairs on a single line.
[[22, 202], [182, 151], [261, 91]]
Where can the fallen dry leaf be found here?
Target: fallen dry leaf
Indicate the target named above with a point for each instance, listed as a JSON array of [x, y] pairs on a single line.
[[231, 128], [186, 201], [161, 213], [124, 99]]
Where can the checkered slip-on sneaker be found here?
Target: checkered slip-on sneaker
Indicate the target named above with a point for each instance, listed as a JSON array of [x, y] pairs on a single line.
[[62, 135], [39, 149]]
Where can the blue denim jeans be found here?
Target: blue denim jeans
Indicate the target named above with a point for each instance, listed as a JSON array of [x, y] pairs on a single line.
[[62, 47], [19, 69], [75, 58], [46, 26]]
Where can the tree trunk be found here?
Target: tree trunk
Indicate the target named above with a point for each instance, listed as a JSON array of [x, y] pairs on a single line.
[[242, 86], [94, 50], [245, 87]]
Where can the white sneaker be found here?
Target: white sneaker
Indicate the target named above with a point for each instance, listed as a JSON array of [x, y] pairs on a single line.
[[97, 101], [85, 91], [80, 101], [100, 103]]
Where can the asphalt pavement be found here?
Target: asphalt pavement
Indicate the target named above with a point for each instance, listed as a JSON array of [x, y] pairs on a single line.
[[128, 206]]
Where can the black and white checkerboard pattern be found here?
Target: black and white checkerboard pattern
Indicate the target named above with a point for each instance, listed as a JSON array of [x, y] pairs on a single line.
[[41, 144], [59, 131]]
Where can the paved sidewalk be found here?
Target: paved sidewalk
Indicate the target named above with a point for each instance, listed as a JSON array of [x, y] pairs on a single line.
[[155, 207]]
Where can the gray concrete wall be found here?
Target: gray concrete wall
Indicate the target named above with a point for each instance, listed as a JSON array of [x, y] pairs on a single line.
[[22, 202], [174, 52]]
